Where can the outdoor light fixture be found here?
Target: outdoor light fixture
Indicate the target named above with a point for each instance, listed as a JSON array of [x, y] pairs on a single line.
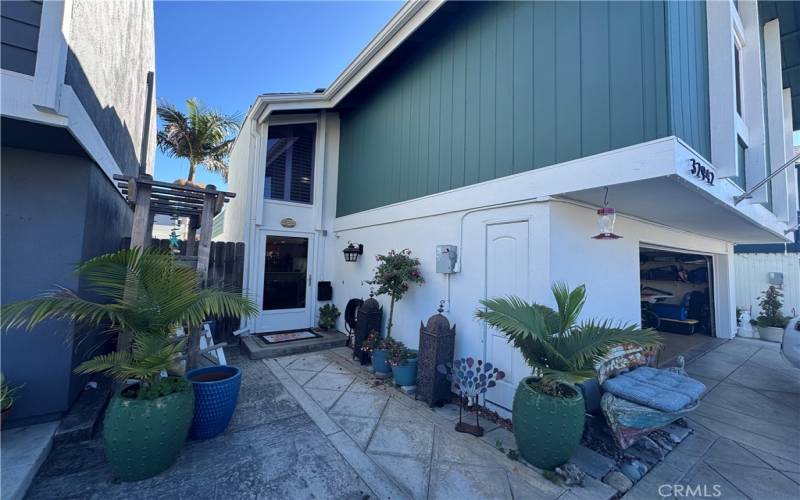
[[606, 216], [352, 252]]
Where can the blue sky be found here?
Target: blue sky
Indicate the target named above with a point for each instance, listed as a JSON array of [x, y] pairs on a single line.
[[225, 53]]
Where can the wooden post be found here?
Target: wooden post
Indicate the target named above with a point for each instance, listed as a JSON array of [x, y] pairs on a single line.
[[206, 228], [191, 236], [142, 221], [203, 255]]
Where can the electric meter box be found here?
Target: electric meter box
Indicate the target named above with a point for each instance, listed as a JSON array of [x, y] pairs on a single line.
[[446, 257]]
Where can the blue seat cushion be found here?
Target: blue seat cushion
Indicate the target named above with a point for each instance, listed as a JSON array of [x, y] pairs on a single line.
[[659, 389]]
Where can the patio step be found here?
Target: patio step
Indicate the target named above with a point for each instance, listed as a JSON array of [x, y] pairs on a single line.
[[256, 348], [24, 451]]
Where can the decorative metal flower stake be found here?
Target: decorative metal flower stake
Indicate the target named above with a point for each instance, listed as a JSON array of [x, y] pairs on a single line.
[[471, 378]]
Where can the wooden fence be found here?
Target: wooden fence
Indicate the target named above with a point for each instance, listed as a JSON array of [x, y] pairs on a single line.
[[225, 269]]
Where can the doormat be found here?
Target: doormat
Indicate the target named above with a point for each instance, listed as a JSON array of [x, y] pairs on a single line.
[[279, 338]]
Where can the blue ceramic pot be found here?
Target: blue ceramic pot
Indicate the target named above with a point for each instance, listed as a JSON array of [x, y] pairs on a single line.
[[406, 374], [216, 390], [380, 361]]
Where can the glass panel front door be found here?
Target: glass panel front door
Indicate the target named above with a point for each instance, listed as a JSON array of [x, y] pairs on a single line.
[[285, 273]]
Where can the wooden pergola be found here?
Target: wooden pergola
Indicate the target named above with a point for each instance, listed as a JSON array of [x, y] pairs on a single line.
[[149, 197]]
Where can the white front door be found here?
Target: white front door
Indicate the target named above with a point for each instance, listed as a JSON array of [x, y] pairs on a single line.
[[507, 273], [286, 282]]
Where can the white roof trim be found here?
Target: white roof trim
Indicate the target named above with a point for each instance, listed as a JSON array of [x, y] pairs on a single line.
[[404, 23]]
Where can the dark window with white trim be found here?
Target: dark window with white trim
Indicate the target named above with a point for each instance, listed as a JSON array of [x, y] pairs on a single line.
[[741, 176], [290, 162], [737, 54]]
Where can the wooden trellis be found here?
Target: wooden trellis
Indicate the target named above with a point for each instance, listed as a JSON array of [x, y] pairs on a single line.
[[149, 197]]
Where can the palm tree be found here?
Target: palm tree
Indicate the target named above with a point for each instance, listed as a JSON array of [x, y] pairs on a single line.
[[201, 135], [144, 295], [553, 342]]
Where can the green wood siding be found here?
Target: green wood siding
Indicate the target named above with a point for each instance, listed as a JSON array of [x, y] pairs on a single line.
[[688, 74], [493, 89]]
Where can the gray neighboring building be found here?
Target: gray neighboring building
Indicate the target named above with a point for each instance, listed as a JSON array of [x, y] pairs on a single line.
[[77, 108]]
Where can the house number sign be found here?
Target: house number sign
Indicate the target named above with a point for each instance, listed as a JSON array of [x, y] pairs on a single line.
[[702, 172], [288, 222]]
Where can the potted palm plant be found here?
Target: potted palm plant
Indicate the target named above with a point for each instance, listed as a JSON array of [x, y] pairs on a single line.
[[771, 321], [7, 397], [395, 272], [548, 410], [142, 296]]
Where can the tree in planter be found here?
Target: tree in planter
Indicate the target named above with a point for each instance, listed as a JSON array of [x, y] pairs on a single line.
[[771, 304], [393, 276], [548, 411]]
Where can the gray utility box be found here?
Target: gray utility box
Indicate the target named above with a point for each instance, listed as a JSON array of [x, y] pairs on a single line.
[[446, 257], [775, 279]]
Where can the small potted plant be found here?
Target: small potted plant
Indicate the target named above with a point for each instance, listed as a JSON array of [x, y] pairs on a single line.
[[771, 321], [378, 348], [328, 314], [548, 410], [7, 397], [404, 364]]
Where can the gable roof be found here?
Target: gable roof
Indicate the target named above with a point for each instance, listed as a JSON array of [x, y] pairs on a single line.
[[402, 25]]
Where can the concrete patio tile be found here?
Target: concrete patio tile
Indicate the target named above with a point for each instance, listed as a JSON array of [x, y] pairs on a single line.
[[449, 481], [755, 425], [372, 474], [462, 449], [358, 428], [448, 411], [315, 362], [647, 488], [752, 402], [364, 385], [336, 367], [411, 474], [286, 360], [395, 410], [729, 452], [504, 436], [710, 481], [712, 367], [407, 438], [740, 350], [522, 489], [301, 376], [591, 462], [330, 381], [360, 404], [593, 489], [317, 414], [324, 397], [794, 476], [778, 463], [259, 405], [757, 483], [710, 383], [782, 449], [770, 358], [762, 378]]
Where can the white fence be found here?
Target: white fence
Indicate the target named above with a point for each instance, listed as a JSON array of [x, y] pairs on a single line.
[[752, 270]]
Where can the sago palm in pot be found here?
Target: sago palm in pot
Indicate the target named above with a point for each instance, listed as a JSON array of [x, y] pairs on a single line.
[[548, 410], [142, 296]]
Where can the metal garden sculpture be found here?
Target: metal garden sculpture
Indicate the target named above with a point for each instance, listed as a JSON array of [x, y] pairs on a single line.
[[471, 378]]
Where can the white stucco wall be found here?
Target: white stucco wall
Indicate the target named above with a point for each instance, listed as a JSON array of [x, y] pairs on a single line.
[[561, 250]]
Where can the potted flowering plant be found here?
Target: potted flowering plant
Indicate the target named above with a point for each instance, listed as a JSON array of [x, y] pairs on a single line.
[[378, 347], [404, 363]]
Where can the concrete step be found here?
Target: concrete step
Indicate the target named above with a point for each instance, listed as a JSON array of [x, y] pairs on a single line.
[[85, 416], [256, 348], [24, 450]]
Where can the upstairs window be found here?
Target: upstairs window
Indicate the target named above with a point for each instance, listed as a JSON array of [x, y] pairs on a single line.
[[741, 170], [737, 63], [290, 163]]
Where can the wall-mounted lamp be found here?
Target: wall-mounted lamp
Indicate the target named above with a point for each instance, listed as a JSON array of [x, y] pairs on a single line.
[[606, 217], [352, 252]]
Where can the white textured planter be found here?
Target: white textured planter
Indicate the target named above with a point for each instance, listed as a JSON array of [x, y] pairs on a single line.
[[770, 333]]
